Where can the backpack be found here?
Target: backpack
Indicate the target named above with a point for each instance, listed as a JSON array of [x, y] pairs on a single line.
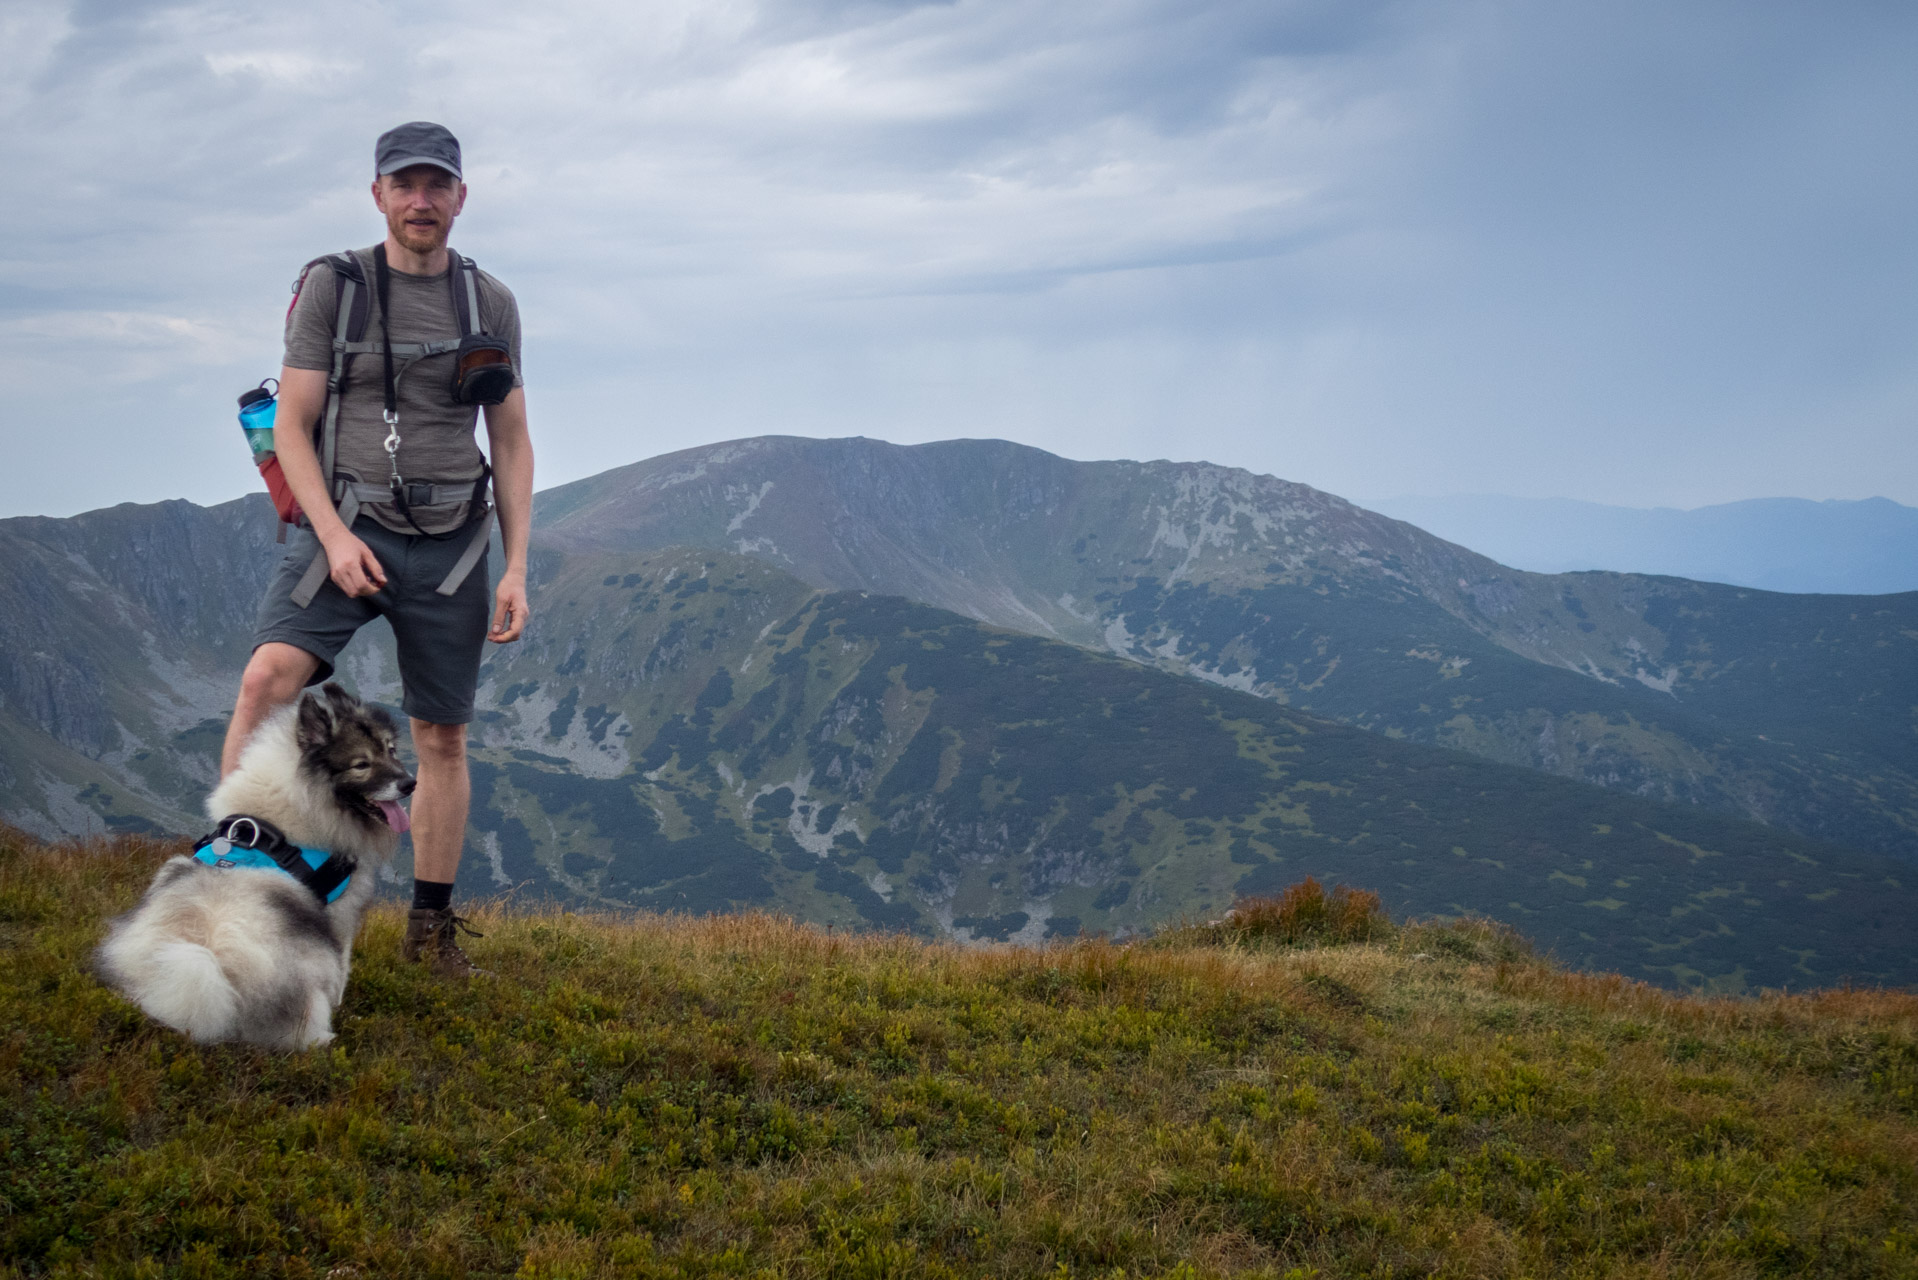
[[470, 386]]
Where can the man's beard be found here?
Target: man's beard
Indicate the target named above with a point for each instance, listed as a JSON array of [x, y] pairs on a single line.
[[418, 241]]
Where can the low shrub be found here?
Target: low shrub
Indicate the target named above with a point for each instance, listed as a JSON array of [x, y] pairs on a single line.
[[1305, 912]]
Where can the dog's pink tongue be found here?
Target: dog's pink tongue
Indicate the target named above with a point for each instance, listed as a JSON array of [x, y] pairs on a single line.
[[396, 817]]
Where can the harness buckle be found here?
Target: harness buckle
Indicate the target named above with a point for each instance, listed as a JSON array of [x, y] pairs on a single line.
[[419, 495]]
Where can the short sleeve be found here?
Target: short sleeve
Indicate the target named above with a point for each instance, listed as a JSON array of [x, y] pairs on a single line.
[[500, 310], [309, 325]]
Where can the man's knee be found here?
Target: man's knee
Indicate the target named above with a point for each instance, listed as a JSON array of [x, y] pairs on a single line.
[[276, 673], [443, 744]]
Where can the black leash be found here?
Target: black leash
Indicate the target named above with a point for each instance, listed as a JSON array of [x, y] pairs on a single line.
[[381, 278]]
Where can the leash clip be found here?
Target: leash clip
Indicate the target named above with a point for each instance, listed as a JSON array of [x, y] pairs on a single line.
[[392, 430]]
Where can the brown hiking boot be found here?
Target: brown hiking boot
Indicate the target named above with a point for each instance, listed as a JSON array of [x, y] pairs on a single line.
[[433, 936]]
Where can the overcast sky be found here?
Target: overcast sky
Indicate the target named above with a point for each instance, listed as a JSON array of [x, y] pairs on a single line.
[[1630, 251]]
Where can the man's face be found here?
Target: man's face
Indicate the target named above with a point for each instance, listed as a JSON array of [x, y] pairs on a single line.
[[420, 203]]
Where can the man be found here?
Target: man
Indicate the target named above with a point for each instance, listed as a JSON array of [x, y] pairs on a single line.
[[391, 557]]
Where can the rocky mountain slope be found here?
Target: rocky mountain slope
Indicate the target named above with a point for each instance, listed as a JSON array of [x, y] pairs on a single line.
[[697, 729], [122, 632], [1797, 711], [699, 732]]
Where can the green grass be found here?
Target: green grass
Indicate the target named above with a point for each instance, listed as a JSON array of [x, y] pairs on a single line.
[[740, 1095]]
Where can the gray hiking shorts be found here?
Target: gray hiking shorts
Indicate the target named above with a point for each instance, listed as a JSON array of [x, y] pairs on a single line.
[[440, 638]]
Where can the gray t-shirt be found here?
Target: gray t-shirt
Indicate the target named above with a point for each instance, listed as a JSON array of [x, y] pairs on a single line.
[[436, 432]]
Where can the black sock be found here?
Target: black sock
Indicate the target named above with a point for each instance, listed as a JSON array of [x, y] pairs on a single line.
[[431, 895]]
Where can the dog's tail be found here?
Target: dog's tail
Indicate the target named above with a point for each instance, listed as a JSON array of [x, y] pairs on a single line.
[[185, 988]]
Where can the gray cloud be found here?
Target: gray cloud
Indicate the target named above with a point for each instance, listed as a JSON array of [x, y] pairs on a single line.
[[1626, 252]]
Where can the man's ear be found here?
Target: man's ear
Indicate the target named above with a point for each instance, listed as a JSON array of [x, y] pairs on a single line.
[[316, 723], [459, 205], [379, 196]]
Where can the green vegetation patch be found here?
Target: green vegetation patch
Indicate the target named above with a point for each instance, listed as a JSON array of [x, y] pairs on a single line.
[[739, 1095]]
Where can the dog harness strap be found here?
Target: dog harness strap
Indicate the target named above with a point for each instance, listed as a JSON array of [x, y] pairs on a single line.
[[249, 832], [328, 879], [242, 840]]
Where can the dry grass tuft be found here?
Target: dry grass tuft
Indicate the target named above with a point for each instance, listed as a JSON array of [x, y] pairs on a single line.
[[1305, 914]]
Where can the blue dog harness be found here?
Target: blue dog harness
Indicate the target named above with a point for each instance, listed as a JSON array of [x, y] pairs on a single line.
[[244, 841]]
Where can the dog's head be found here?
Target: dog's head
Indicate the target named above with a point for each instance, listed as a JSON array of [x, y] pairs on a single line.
[[351, 749]]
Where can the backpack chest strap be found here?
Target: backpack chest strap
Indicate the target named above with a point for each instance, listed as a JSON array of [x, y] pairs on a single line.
[[401, 350]]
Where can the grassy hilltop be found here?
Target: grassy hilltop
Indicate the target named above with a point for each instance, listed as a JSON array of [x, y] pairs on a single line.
[[739, 1095]]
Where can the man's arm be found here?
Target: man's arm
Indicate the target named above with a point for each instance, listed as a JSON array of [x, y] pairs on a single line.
[[350, 561], [511, 448]]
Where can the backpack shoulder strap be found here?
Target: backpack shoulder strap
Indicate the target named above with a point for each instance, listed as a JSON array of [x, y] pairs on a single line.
[[464, 277], [352, 305], [347, 271]]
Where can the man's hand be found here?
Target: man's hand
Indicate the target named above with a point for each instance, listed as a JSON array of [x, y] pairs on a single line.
[[352, 565], [510, 614]]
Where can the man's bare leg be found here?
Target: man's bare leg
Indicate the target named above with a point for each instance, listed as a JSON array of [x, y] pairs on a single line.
[[439, 833], [439, 803], [274, 676]]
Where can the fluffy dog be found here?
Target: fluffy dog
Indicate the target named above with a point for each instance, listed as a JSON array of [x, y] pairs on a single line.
[[251, 953]]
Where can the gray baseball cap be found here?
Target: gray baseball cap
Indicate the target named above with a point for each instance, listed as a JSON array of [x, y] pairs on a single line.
[[419, 142]]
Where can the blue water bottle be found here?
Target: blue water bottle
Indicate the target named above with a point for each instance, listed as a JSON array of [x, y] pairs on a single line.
[[256, 419]]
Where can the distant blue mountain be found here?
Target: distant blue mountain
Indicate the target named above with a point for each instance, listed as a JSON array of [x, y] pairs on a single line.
[[1867, 547]]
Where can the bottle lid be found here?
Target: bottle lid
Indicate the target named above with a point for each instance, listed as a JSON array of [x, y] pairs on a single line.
[[253, 396]]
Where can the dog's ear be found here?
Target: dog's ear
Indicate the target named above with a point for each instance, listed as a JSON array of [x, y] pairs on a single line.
[[343, 703], [316, 723], [379, 719]]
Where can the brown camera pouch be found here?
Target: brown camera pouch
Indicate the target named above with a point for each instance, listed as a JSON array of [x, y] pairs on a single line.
[[483, 374]]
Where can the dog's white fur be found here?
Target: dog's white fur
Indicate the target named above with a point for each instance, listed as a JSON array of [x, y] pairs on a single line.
[[247, 953]]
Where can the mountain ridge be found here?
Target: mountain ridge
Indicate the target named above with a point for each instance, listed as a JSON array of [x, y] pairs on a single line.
[[721, 735], [1271, 586], [698, 728]]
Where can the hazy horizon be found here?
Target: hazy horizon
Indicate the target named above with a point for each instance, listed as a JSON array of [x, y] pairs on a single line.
[[250, 485]]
